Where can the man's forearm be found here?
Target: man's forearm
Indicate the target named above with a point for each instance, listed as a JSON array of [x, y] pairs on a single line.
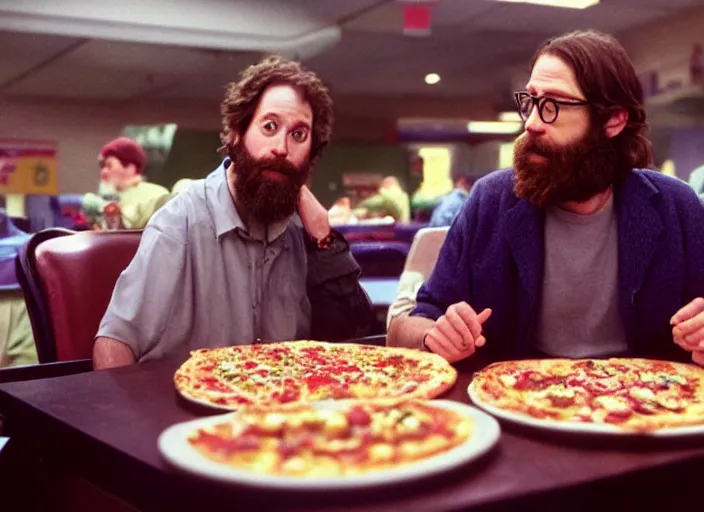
[[408, 331], [110, 353]]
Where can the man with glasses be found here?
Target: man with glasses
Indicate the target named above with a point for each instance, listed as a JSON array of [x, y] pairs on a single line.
[[579, 251]]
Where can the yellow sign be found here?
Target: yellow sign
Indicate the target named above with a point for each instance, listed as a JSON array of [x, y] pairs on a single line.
[[28, 167]]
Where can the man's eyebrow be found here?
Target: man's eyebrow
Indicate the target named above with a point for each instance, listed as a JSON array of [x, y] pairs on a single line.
[[302, 124], [556, 93]]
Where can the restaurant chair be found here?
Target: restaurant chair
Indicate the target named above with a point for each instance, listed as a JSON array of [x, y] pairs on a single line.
[[380, 259], [420, 262], [68, 279]]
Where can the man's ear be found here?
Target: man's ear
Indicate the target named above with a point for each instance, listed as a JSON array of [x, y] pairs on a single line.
[[234, 138], [132, 168], [616, 123]]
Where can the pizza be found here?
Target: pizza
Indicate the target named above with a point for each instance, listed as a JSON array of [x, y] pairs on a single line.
[[301, 371], [629, 394], [300, 440]]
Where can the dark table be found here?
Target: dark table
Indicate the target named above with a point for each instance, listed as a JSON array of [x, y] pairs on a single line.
[[104, 426]]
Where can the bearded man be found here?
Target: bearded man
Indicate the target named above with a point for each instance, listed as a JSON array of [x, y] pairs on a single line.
[[247, 254], [579, 251]]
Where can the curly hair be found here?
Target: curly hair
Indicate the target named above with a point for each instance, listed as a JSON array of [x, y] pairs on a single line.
[[242, 98], [608, 79]]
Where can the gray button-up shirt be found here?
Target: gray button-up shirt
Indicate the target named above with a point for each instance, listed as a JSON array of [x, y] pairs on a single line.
[[201, 279]]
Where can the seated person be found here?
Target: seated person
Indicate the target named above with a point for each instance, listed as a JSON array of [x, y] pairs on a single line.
[[579, 251], [390, 200], [340, 213], [451, 204], [227, 261], [17, 346], [122, 163]]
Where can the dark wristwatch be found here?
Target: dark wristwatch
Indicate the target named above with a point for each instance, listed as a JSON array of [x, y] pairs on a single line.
[[324, 243]]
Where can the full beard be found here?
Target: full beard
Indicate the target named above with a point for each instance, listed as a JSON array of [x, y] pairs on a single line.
[[264, 200], [576, 172]]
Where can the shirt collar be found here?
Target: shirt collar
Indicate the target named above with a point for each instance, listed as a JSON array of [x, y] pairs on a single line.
[[223, 212]]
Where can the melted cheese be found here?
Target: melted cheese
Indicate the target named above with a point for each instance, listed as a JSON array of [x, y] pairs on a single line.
[[508, 380], [612, 403], [643, 394]]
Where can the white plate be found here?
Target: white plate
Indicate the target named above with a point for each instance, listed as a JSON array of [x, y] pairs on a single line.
[[578, 426], [175, 448], [205, 403]]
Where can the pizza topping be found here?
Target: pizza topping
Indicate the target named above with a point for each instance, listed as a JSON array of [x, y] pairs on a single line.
[[603, 386], [560, 396], [358, 416], [671, 403], [642, 394], [508, 380]]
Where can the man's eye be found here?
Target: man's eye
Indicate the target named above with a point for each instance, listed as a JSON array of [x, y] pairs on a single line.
[[300, 135], [269, 127]]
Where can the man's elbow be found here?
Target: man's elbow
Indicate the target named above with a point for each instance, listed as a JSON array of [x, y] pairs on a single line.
[[111, 353]]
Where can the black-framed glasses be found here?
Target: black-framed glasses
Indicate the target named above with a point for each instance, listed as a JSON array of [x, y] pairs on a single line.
[[548, 108]]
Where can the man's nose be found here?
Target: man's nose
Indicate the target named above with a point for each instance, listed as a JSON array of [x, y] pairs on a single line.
[[534, 124], [280, 147]]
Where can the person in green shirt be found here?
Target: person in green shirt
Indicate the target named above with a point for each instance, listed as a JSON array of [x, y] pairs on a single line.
[[16, 339], [390, 200], [122, 164]]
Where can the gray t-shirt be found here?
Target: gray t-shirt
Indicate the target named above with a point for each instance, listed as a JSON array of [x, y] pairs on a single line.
[[579, 315], [201, 279]]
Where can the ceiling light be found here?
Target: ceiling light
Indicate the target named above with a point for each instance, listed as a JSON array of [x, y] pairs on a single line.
[[432, 78], [496, 127], [510, 116], [568, 4]]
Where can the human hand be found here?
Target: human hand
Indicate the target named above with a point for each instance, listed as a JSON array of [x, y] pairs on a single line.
[[457, 334], [313, 214], [688, 329]]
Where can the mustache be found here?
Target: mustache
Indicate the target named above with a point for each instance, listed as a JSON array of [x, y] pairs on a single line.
[[533, 145], [278, 164]]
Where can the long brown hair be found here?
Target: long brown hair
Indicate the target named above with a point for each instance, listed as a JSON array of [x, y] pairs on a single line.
[[608, 80], [242, 98]]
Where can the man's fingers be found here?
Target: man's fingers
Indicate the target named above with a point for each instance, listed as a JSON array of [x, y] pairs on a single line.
[[459, 325], [484, 316], [469, 317], [445, 328], [440, 345], [480, 342], [698, 357], [695, 339], [687, 312], [690, 326]]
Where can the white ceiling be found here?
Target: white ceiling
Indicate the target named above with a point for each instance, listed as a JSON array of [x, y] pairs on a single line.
[[475, 45]]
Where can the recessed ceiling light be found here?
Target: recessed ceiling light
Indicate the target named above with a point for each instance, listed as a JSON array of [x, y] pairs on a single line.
[[432, 78], [498, 127], [510, 116], [568, 4]]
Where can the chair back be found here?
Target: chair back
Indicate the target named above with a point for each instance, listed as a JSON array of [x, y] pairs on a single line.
[[68, 279], [420, 263], [380, 259], [425, 249]]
